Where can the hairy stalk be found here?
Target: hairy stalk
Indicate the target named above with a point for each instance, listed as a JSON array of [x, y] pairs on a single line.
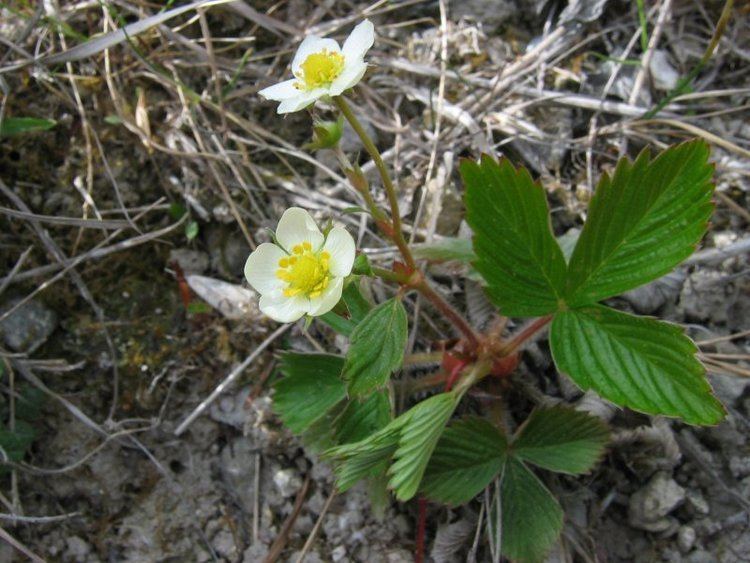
[[449, 312], [523, 335], [397, 234], [390, 190]]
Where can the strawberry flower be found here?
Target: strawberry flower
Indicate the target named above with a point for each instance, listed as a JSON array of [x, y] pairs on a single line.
[[303, 272], [322, 68]]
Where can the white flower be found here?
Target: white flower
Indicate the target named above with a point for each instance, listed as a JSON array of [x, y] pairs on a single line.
[[304, 272], [322, 68]]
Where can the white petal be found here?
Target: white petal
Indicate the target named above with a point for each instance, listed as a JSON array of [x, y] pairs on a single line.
[[261, 266], [281, 91], [302, 100], [359, 41], [353, 73], [328, 299], [340, 245], [312, 44], [284, 310], [295, 227]]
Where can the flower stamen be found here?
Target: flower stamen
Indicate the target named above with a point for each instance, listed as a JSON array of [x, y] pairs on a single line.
[[305, 272], [319, 69]]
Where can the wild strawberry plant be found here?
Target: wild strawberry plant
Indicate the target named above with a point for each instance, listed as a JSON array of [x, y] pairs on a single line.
[[643, 220]]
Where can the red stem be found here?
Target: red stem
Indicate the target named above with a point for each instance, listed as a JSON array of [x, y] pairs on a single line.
[[421, 526], [523, 335]]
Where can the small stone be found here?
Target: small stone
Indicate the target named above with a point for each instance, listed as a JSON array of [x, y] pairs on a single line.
[[191, 261], [338, 554], [287, 482], [739, 466], [686, 538], [254, 553], [76, 549], [663, 74], [224, 545], [311, 556], [28, 327], [650, 505], [695, 500]]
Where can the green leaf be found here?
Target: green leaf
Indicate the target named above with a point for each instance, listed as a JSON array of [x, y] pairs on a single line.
[[419, 436], [446, 250], [377, 348], [338, 323], [642, 222], [410, 439], [366, 458], [357, 305], [517, 254], [362, 266], [636, 362], [361, 419], [311, 386], [561, 439], [14, 126], [531, 517], [15, 443], [467, 457], [191, 230]]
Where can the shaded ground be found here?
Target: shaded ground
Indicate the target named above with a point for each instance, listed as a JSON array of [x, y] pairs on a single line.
[[170, 166]]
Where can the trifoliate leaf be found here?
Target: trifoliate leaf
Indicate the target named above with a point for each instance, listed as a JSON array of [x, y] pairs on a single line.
[[311, 386], [517, 254], [531, 517], [359, 420], [426, 422], [561, 439], [469, 454], [642, 222], [366, 458], [636, 362], [377, 348]]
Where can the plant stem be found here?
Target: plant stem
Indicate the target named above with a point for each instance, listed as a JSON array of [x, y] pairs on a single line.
[[389, 275], [390, 190], [450, 313], [397, 234], [523, 335]]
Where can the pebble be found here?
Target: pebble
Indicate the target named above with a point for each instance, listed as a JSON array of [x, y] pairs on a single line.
[[695, 500], [191, 261], [686, 538], [287, 482], [649, 507], [28, 327]]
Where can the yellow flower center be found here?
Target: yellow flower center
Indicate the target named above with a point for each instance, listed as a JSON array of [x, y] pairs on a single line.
[[306, 272], [320, 69]]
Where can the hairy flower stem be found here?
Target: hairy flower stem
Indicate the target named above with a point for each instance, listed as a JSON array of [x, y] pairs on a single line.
[[390, 190], [524, 334], [397, 234], [449, 312]]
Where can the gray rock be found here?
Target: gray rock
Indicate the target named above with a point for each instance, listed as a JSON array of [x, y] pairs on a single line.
[[649, 507], [311, 556], [701, 556], [28, 327], [238, 471], [255, 553], [191, 261], [686, 538], [663, 74], [228, 251], [650, 297], [704, 296], [728, 387], [695, 500], [287, 482]]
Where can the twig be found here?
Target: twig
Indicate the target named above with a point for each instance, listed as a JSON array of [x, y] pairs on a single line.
[[229, 379], [20, 547], [316, 528], [278, 544]]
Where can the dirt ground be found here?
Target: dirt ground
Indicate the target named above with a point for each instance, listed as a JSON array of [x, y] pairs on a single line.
[[125, 226]]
